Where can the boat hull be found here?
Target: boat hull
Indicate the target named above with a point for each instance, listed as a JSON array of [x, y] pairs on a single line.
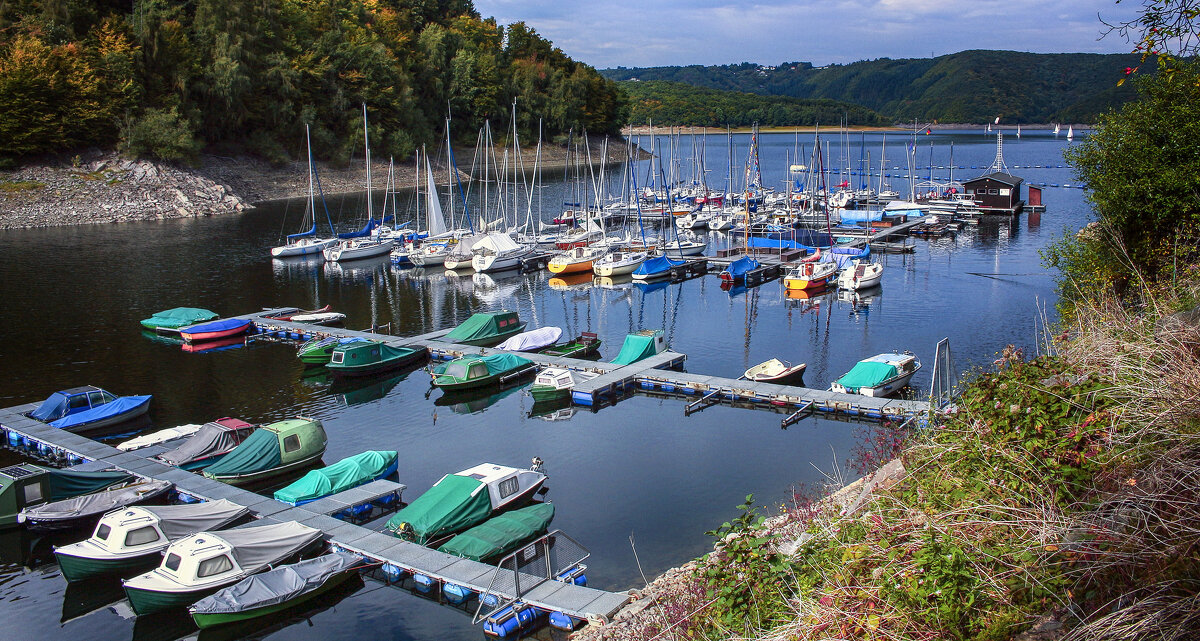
[[374, 368], [204, 621], [886, 388], [484, 381], [263, 475], [343, 254], [197, 337], [544, 393], [616, 270], [302, 249], [146, 602], [109, 421], [570, 268], [78, 568]]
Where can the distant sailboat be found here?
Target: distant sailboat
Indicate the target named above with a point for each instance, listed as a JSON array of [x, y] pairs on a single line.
[[1070, 132], [1018, 131], [1056, 129]]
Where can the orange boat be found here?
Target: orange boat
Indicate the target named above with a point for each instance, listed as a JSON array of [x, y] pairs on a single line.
[[576, 259]]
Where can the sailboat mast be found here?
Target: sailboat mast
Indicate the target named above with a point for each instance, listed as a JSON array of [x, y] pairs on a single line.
[[367, 147], [312, 200]]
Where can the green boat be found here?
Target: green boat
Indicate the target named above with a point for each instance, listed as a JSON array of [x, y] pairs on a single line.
[[371, 357], [582, 346], [27, 485], [477, 371], [270, 451], [485, 329], [170, 320], [345, 474], [275, 590], [641, 345], [501, 534], [319, 350]]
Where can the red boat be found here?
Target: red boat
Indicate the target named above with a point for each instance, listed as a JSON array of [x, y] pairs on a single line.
[[214, 330]]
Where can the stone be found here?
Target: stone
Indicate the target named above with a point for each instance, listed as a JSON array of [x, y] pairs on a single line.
[[1185, 325]]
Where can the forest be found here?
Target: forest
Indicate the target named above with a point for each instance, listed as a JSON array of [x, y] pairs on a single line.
[[966, 87], [679, 103], [171, 78]]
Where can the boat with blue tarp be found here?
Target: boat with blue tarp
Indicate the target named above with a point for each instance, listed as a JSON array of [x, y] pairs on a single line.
[[86, 408], [347, 473], [657, 267], [211, 331], [737, 270]]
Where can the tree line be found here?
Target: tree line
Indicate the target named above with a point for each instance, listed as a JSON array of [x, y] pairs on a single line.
[[679, 103], [169, 78]]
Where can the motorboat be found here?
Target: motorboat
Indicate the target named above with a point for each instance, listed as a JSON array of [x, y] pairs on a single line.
[[532, 340], [84, 510], [557, 382], [272, 450], [26, 485], [485, 329], [641, 345], [501, 534], [371, 357], [880, 375], [159, 437], [809, 275], [212, 441], [215, 330], [777, 372], [81, 409], [169, 321], [478, 371], [347, 473], [860, 275]]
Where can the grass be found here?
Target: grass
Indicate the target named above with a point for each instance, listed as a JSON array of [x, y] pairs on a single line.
[[17, 186]]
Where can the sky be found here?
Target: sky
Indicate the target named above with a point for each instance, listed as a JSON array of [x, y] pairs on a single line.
[[647, 33]]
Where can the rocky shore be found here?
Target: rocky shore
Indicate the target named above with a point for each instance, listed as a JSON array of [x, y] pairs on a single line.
[[102, 187]]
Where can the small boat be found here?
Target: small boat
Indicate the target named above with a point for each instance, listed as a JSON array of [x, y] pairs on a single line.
[[270, 451], [880, 375], [531, 341], [371, 357], [136, 536], [169, 320], [641, 345], [26, 485], [347, 473], [275, 590], [737, 270], [618, 263], [80, 409], [582, 346], [430, 254], [657, 267], [83, 511], [576, 259], [159, 437], [477, 371], [214, 330], [359, 249], [198, 565], [305, 242], [860, 276], [498, 251], [212, 441], [463, 500], [557, 382], [776, 371], [318, 350], [326, 318], [501, 534], [684, 248], [809, 275], [485, 329]]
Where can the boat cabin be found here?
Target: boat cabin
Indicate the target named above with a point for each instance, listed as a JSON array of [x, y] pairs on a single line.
[[557, 377], [997, 192], [199, 559], [26, 485], [505, 484], [128, 532], [71, 401], [361, 353]]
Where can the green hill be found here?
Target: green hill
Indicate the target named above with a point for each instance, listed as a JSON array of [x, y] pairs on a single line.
[[680, 103], [965, 87]]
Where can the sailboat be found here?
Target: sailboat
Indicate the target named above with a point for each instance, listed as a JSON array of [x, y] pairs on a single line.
[[437, 244], [1056, 129], [737, 270], [1070, 132], [1018, 131], [306, 242], [371, 244]]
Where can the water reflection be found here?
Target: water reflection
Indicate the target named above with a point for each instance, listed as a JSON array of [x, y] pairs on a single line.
[[82, 598], [470, 401], [364, 389]]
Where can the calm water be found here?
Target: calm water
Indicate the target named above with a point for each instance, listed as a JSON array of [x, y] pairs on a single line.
[[637, 471]]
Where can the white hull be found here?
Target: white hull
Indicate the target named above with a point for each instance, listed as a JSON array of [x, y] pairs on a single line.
[[885, 388], [851, 279], [619, 267], [357, 251], [305, 247], [499, 262], [685, 249], [427, 259]]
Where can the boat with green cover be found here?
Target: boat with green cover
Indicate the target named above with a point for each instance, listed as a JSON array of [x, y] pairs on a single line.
[[880, 375], [485, 329], [170, 320], [319, 350], [641, 345], [501, 534], [345, 474], [272, 450], [26, 485], [370, 357], [478, 371], [275, 590]]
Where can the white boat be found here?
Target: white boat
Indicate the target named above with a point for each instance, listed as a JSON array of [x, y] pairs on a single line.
[[498, 251], [359, 248], [682, 247], [618, 263], [776, 371], [1070, 132], [306, 242], [532, 340], [460, 255], [320, 318], [698, 219], [557, 382], [880, 375], [199, 564], [721, 222], [809, 275], [161, 436], [430, 254], [860, 275]]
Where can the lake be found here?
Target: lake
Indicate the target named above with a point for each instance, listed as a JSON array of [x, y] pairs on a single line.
[[637, 476]]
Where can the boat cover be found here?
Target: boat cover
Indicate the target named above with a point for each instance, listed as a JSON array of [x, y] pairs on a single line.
[[368, 353], [498, 242], [496, 364], [260, 451], [122, 405], [277, 586], [453, 504], [533, 339], [343, 475], [501, 534], [54, 405], [178, 317], [255, 547], [95, 504], [656, 265], [161, 436], [67, 483], [479, 325], [635, 348], [867, 374], [863, 216], [217, 326], [210, 439], [178, 521], [742, 266], [844, 256]]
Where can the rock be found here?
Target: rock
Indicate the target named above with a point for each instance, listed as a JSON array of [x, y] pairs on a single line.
[[1185, 325]]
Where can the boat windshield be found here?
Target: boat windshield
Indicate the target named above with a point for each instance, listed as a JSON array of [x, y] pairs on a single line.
[[456, 370]]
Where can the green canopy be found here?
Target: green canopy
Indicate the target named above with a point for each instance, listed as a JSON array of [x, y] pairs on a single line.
[[178, 317], [496, 364], [66, 484], [260, 451], [867, 374], [482, 325], [501, 534], [343, 475], [454, 504], [636, 348]]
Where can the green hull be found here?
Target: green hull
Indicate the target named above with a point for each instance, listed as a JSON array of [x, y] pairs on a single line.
[[77, 568], [148, 601], [250, 479], [496, 339], [573, 349], [380, 366], [204, 621], [482, 381], [542, 393]]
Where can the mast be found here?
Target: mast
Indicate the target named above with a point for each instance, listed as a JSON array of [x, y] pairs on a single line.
[[367, 147]]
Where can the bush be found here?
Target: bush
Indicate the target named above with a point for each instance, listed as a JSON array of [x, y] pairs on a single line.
[[161, 134]]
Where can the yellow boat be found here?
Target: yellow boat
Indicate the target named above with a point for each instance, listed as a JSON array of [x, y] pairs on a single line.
[[809, 275]]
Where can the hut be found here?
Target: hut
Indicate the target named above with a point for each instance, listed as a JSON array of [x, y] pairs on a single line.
[[997, 193]]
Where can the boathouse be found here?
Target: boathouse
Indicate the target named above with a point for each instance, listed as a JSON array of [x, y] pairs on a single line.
[[996, 193]]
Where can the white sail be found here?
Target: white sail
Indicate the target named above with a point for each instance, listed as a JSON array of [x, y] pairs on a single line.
[[1070, 132], [433, 212]]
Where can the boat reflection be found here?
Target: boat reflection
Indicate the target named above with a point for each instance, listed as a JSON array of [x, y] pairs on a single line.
[[221, 345], [580, 280], [613, 282], [474, 400], [82, 598], [496, 287], [860, 298], [358, 269], [297, 266], [164, 339], [357, 390], [559, 409], [651, 286], [164, 626]]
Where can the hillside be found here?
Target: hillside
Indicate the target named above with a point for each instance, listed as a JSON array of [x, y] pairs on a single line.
[[680, 103], [965, 87]]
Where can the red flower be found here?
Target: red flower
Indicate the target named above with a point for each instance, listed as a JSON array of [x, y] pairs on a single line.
[[1128, 70]]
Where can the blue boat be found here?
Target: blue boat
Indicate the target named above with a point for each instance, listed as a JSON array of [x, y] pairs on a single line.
[[657, 267], [87, 408], [737, 270], [224, 328]]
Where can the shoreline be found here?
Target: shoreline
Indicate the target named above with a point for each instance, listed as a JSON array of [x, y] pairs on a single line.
[[642, 130]]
